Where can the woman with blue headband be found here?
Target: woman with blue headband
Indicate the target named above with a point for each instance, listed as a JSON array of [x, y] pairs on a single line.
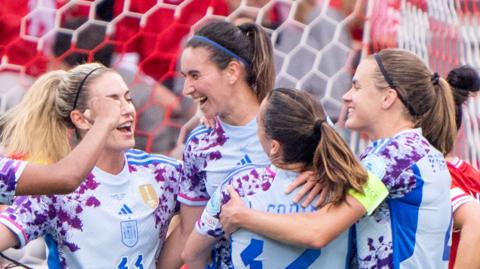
[[228, 70]]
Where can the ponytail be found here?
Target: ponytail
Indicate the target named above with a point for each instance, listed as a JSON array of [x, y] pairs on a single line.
[[262, 74], [438, 123], [33, 128], [298, 122], [336, 167]]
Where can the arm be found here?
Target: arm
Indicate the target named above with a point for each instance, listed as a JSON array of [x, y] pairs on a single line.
[[313, 230], [7, 238], [467, 218], [65, 175], [196, 253], [291, 228], [170, 256]]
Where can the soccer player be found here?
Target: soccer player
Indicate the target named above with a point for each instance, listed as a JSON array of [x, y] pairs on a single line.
[[293, 131], [23, 178], [228, 70], [118, 217], [465, 190], [408, 113]]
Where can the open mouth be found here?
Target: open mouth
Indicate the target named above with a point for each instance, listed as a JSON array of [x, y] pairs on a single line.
[[125, 127], [202, 100]]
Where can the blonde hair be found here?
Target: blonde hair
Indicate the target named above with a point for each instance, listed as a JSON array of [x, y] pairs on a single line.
[[36, 128]]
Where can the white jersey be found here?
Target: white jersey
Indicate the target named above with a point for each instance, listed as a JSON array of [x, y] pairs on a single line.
[[412, 227], [110, 221], [209, 156], [263, 189], [10, 171]]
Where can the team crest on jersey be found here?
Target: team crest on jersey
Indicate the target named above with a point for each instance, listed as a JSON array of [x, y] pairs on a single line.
[[149, 195], [129, 231]]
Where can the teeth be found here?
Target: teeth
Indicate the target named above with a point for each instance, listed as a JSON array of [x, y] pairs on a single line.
[[125, 125]]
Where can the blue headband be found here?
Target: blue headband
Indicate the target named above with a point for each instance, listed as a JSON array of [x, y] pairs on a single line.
[[220, 47]]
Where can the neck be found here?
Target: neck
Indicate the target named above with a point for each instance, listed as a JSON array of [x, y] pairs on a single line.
[[242, 108], [296, 167], [389, 127], [111, 162]]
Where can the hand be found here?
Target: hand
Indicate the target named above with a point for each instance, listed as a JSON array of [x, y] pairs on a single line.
[[229, 215], [103, 109], [311, 188]]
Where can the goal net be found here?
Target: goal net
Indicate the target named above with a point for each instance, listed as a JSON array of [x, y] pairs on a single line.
[[318, 44]]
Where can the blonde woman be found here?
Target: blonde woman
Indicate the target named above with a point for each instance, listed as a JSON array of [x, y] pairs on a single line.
[[127, 200]]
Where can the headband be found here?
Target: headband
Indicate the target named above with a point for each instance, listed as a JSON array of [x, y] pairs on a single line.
[[81, 85], [392, 85], [220, 47]]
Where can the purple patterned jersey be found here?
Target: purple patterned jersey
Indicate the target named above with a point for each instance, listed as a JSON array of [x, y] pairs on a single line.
[[412, 227], [110, 221], [10, 171], [210, 155]]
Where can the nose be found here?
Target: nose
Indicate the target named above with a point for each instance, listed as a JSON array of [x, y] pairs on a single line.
[[188, 88], [127, 108], [347, 97]]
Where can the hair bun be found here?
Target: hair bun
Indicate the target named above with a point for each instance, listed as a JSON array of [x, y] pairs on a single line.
[[464, 78]]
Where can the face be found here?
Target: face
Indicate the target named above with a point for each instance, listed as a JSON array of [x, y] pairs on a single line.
[[204, 82], [363, 101], [112, 85]]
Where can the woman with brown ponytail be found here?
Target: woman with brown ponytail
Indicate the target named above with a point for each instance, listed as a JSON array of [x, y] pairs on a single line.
[[408, 113], [228, 70], [289, 123]]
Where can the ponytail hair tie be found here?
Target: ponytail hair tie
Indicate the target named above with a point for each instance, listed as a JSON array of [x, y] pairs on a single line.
[[317, 127], [435, 78]]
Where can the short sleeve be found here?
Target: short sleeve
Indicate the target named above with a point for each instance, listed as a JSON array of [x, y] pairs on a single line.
[[30, 217], [209, 222], [193, 191], [10, 172]]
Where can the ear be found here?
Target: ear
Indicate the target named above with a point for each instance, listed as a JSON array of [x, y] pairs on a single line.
[[233, 71], [389, 97], [275, 147], [79, 120]]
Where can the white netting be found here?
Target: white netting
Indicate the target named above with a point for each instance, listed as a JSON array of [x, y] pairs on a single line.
[[317, 45]]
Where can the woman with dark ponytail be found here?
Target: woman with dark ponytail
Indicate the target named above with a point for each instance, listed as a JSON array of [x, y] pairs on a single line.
[[228, 70], [408, 113], [295, 135], [465, 192]]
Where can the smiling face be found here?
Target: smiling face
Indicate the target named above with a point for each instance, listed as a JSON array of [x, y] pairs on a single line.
[[112, 85], [205, 82], [363, 100]]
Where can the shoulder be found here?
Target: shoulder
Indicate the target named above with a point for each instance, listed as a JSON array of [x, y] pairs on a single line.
[[399, 152], [139, 157], [198, 133], [246, 172]]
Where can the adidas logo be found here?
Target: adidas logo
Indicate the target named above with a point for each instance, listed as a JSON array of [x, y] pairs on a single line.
[[125, 210], [244, 160]]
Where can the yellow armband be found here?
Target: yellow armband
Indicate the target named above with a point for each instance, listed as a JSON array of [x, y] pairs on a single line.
[[374, 192]]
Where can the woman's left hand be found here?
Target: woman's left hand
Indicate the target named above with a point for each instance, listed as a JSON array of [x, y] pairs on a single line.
[[231, 212], [310, 189]]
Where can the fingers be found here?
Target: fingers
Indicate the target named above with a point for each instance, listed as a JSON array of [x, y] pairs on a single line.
[[299, 181], [208, 122], [233, 193], [306, 188], [322, 198], [312, 194]]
